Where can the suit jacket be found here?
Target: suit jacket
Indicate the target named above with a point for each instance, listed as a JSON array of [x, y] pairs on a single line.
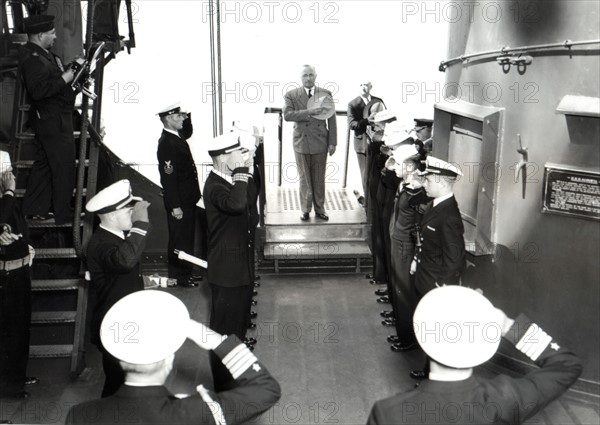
[[256, 391], [442, 256], [501, 400], [311, 136], [358, 122], [178, 174], [231, 216], [114, 267]]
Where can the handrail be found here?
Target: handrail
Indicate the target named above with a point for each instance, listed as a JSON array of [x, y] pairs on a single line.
[[85, 104], [506, 50]]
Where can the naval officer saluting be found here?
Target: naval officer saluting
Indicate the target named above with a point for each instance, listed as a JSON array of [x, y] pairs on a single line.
[[113, 259]]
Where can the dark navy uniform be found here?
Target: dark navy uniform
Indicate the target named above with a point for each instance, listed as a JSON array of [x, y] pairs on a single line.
[[113, 263], [256, 391], [231, 221], [442, 257], [179, 179], [408, 209], [475, 400], [52, 177], [15, 299]]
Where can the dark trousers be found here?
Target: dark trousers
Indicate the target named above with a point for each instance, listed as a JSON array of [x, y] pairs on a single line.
[[181, 237], [52, 177], [114, 376], [228, 316], [311, 171], [15, 319], [403, 289]]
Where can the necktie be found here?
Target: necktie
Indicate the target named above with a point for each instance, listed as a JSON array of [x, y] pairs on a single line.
[[309, 93]]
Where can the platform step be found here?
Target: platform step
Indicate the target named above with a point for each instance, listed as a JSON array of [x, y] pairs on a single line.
[[38, 351], [55, 285], [317, 233], [46, 317], [316, 250]]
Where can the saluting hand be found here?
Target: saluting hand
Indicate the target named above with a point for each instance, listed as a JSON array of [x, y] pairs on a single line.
[[140, 212]]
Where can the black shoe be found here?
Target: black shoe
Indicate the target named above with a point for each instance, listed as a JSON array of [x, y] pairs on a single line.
[[402, 347], [250, 347], [187, 283], [418, 374], [393, 339], [383, 300], [389, 322], [5, 422], [322, 216], [369, 276], [381, 292], [254, 292], [41, 217], [304, 217], [377, 282], [387, 314], [254, 302], [30, 380], [253, 314], [249, 341], [256, 285], [257, 277], [252, 325]]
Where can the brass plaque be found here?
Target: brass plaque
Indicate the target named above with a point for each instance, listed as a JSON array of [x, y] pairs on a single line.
[[571, 191]]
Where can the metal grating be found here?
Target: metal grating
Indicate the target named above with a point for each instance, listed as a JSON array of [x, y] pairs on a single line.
[[288, 199]]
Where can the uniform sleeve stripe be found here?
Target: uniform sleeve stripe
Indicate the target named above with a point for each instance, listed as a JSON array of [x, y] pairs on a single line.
[[233, 353], [543, 344], [240, 368], [240, 362], [534, 342], [138, 231]]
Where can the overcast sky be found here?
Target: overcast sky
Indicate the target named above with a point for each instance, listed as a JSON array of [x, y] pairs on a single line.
[[397, 45]]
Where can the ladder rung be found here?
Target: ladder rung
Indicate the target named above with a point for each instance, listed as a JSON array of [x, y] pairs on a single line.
[[46, 317], [63, 350], [55, 284], [19, 193], [50, 253], [29, 135], [29, 163]]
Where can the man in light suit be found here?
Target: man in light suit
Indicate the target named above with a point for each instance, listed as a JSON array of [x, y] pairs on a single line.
[[314, 136], [358, 123]]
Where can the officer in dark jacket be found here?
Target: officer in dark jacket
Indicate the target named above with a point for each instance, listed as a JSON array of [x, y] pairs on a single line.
[[460, 329], [143, 399], [52, 177], [181, 191], [113, 260], [15, 289], [358, 123], [230, 240]]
